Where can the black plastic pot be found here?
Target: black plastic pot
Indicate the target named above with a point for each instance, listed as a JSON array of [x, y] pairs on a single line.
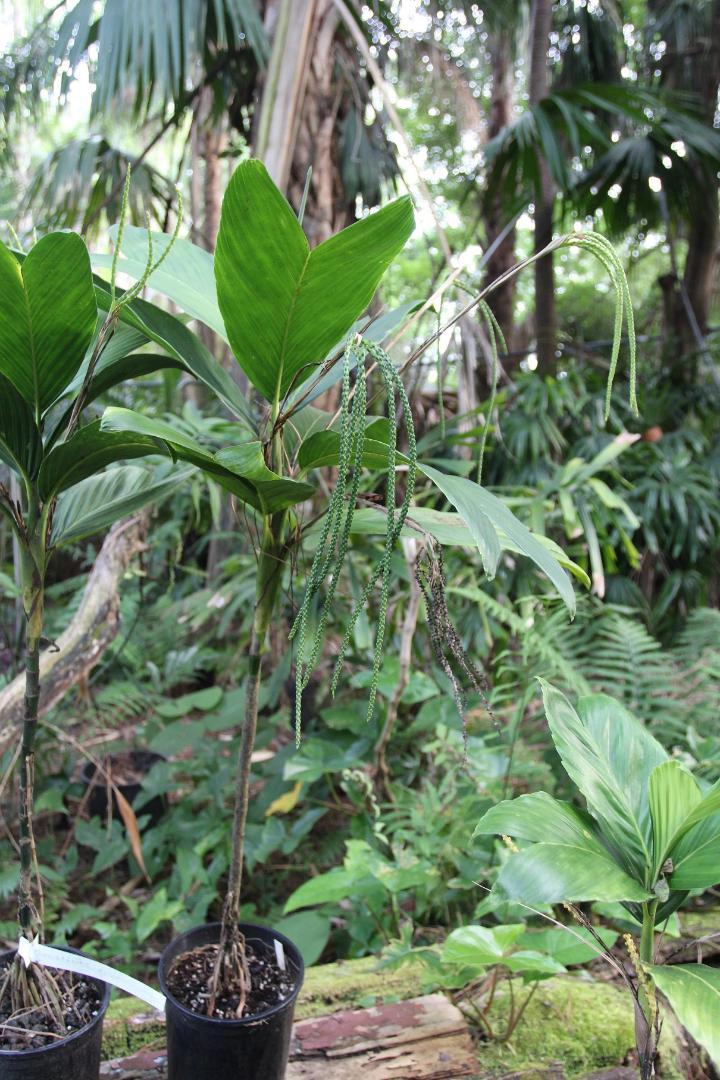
[[75, 1058], [254, 1048], [142, 761]]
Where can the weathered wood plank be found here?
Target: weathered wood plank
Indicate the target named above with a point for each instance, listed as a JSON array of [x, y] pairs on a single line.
[[422, 1039]]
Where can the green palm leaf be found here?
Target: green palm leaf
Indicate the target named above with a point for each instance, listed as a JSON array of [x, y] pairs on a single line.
[[47, 316], [693, 991], [284, 306], [20, 443], [97, 502]]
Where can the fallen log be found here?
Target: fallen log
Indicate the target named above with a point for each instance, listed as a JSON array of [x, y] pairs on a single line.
[[95, 624]]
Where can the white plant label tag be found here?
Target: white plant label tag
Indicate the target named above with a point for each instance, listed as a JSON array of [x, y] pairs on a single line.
[[34, 953], [280, 954]]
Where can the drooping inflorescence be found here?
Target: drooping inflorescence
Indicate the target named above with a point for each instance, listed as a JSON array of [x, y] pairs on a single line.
[[605, 253], [335, 534]]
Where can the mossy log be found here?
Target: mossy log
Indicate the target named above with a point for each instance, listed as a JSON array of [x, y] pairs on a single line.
[[574, 1028]]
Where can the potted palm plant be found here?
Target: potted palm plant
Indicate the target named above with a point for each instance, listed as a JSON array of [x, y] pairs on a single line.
[[290, 316], [60, 349]]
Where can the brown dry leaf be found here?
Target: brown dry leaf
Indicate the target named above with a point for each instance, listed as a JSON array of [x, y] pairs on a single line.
[[131, 827]]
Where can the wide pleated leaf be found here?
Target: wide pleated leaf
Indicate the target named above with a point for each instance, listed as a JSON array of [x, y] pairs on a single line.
[[484, 514], [705, 807], [673, 793], [97, 502], [550, 873], [186, 275], [693, 991], [283, 305], [538, 817], [629, 748], [47, 316], [240, 469], [609, 756], [20, 442], [89, 451], [696, 857]]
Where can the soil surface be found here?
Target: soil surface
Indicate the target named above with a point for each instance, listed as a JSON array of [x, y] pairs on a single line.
[[80, 1002], [190, 975]]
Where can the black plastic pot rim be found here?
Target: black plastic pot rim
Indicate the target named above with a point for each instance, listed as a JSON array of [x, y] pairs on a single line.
[[245, 1021], [90, 770], [18, 1055]]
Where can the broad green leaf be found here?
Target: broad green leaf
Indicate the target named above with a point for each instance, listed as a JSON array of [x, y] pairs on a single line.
[[673, 793], [88, 452], [92, 505], [574, 945], [202, 700], [627, 746], [550, 873], [284, 306], [460, 493], [180, 342], [705, 807], [20, 443], [479, 947], [696, 857], [186, 275], [539, 817], [450, 529], [484, 514], [310, 930], [609, 756], [275, 492], [241, 469], [331, 888], [323, 449], [693, 991], [47, 316]]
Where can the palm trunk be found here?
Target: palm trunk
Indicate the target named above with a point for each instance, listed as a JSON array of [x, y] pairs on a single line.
[[268, 582], [32, 561], [502, 258], [545, 314]]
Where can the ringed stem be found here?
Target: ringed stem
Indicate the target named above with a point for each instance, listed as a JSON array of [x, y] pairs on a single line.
[[32, 563]]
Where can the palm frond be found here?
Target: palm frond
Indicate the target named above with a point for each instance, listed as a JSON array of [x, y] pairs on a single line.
[[75, 180]]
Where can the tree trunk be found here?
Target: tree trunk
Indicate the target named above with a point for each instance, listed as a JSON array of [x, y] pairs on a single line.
[[326, 209], [704, 235], [545, 315], [285, 86], [502, 300]]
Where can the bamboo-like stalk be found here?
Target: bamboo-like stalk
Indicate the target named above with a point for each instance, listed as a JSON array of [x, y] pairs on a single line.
[[646, 1028], [33, 573]]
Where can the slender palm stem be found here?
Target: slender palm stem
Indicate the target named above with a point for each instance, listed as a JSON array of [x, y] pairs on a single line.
[[32, 562]]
